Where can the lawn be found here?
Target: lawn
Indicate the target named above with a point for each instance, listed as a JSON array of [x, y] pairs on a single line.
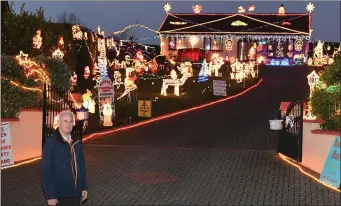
[[192, 93]]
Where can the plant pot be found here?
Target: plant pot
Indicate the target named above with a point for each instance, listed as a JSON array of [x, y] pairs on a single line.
[[82, 114], [276, 124]]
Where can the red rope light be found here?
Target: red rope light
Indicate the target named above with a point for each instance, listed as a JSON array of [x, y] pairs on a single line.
[[170, 115]]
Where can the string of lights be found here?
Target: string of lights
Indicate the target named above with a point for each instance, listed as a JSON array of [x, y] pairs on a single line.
[[134, 25]]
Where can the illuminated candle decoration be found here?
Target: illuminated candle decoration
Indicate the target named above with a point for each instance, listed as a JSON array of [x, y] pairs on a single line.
[[197, 9], [37, 40]]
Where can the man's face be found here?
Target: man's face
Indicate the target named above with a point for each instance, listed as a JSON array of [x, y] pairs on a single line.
[[65, 124]]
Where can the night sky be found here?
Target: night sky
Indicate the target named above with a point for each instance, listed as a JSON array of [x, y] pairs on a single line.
[[115, 15]]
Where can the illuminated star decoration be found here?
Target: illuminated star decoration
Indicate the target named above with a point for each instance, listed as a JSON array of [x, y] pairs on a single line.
[[310, 7], [167, 8], [22, 57]]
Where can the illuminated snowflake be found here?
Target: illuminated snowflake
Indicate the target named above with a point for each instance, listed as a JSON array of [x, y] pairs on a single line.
[[167, 7], [310, 7]]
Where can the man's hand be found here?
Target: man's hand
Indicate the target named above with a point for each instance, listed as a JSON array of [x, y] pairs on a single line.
[[52, 202], [84, 195]]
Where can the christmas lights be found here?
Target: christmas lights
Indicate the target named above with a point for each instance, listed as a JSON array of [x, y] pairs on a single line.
[[241, 9], [178, 22], [77, 33], [310, 7], [58, 54], [238, 23], [197, 9], [37, 40], [167, 7], [267, 36]]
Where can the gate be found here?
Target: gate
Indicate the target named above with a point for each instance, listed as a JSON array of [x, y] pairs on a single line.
[[55, 101], [290, 137]]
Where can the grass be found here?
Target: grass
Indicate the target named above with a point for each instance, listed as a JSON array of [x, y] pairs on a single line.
[[192, 94]]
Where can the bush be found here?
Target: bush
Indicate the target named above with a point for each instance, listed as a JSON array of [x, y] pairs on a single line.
[[14, 98], [59, 71], [325, 102]]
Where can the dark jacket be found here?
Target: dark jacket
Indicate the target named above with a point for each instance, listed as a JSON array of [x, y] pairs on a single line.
[[63, 167]]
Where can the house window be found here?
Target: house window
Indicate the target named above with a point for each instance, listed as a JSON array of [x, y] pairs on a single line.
[[290, 52], [172, 43], [271, 48], [216, 45], [242, 51], [182, 43], [252, 50], [213, 44], [207, 44], [280, 50]]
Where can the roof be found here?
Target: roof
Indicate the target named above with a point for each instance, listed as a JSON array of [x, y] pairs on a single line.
[[269, 23]]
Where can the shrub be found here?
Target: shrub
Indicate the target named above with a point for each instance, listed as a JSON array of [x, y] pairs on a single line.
[[14, 98], [325, 102]]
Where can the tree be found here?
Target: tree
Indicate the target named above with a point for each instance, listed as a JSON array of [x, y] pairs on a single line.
[[69, 18]]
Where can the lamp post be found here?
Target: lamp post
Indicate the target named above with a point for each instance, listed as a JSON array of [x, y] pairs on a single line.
[[313, 77]]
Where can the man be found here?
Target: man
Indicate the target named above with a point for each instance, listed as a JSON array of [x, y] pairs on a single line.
[[63, 166]]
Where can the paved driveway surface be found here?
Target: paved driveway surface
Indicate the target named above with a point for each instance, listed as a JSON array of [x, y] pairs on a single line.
[[222, 155]]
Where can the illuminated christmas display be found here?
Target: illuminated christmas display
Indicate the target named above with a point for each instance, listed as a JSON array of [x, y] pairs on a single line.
[[278, 33]]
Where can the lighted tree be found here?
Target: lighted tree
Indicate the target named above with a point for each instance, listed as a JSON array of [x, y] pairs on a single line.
[[279, 50]]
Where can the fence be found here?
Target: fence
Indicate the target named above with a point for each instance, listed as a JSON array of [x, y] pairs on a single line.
[[55, 101]]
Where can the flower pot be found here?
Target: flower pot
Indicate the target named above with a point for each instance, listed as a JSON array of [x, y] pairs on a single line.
[[276, 124]]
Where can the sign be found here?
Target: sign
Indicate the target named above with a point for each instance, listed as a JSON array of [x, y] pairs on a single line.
[[144, 108], [6, 145], [331, 170], [106, 93], [219, 88]]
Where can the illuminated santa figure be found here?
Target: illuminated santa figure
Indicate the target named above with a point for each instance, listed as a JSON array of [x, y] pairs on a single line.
[[95, 69], [139, 56], [74, 79], [61, 42], [37, 40], [86, 72]]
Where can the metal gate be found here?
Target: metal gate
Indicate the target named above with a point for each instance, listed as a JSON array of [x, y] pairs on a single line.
[[290, 137], [55, 101]]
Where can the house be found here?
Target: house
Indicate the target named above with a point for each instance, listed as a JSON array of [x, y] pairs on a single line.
[[271, 38]]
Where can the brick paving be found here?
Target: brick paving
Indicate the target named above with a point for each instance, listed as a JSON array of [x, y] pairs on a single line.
[[215, 156], [125, 175]]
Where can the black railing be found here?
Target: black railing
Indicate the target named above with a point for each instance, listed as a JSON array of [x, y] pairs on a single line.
[[54, 101]]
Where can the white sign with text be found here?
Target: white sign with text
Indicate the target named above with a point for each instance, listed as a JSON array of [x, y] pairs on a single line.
[[219, 88], [6, 145]]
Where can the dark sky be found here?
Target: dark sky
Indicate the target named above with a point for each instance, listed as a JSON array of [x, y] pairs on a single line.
[[115, 15]]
